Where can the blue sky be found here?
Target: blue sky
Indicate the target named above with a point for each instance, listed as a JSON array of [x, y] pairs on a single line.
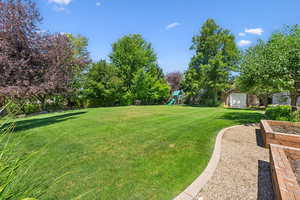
[[168, 24]]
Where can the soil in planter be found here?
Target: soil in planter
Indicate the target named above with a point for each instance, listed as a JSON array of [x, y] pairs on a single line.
[[286, 129], [296, 168]]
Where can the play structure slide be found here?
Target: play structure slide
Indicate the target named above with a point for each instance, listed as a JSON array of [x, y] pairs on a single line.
[[176, 96], [171, 102]]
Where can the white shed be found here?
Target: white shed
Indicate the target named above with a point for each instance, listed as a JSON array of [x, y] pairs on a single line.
[[238, 100], [283, 98]]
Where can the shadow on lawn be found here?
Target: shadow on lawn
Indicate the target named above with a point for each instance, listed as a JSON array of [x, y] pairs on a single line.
[[23, 125], [243, 117]]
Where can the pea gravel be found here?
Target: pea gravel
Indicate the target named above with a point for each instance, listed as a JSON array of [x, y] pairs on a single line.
[[243, 171]]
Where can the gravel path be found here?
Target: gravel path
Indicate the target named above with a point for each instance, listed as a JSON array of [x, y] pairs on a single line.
[[243, 171]]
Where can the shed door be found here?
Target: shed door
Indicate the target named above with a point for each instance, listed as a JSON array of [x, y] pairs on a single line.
[[238, 100]]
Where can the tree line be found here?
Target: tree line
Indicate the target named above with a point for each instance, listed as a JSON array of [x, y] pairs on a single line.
[[219, 67], [55, 70], [44, 70], [132, 75]]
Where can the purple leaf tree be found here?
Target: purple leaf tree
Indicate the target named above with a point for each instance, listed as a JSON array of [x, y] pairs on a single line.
[[32, 63]]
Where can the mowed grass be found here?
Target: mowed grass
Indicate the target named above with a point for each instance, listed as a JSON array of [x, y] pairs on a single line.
[[138, 153]]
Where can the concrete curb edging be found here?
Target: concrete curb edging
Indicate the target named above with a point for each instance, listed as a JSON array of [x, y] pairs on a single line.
[[191, 192]]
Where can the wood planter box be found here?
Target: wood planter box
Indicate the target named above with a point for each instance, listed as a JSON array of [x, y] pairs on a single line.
[[273, 137], [284, 180]]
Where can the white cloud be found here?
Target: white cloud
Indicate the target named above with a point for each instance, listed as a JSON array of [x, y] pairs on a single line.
[[254, 31], [59, 9], [173, 25], [63, 2], [98, 4], [243, 43], [242, 34]]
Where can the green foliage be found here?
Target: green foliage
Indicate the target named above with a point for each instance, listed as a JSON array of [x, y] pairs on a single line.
[[285, 67], [282, 113], [191, 85], [273, 66], [216, 56], [254, 77], [17, 166], [80, 44], [295, 116], [131, 53], [5, 171], [133, 75], [103, 87], [26, 107], [55, 103], [9, 165], [150, 89], [31, 108]]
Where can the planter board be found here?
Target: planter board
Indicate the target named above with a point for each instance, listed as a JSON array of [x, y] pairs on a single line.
[[272, 137], [284, 178]]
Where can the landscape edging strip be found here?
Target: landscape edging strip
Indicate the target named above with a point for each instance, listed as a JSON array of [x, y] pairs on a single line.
[[191, 192]]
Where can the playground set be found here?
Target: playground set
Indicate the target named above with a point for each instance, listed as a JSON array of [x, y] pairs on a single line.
[[176, 98]]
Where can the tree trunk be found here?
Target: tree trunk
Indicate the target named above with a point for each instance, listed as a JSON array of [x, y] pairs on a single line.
[[2, 101], [70, 102], [265, 100], [294, 96], [224, 98]]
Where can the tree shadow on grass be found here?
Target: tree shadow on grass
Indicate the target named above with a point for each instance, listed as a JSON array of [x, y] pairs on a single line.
[[199, 106], [243, 117], [24, 125], [239, 109]]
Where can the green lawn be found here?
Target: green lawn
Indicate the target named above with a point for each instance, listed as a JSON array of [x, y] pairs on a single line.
[[144, 152]]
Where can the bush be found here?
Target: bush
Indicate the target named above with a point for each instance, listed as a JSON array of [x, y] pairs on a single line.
[[280, 112], [14, 108], [23, 108], [295, 116], [31, 108]]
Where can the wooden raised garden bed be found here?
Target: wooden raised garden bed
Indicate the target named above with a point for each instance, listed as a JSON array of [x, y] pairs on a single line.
[[285, 169], [280, 132]]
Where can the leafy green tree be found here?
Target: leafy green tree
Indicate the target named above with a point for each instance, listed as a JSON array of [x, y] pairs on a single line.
[[136, 64], [253, 77], [191, 85], [79, 44], [131, 53], [102, 86], [216, 56], [149, 89], [275, 65], [284, 67]]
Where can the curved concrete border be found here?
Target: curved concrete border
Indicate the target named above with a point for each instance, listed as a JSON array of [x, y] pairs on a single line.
[[191, 192]]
